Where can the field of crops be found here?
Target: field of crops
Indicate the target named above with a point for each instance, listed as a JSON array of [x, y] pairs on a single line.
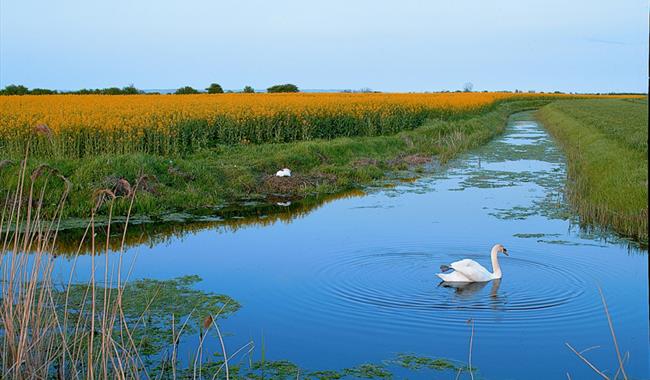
[[83, 125]]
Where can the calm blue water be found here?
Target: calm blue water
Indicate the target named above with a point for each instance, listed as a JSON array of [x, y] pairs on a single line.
[[354, 281]]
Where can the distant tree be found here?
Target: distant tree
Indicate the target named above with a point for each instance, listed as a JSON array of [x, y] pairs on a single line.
[[42, 91], [130, 90], [283, 88], [186, 90], [111, 91], [214, 89], [468, 87], [13, 89], [248, 90]]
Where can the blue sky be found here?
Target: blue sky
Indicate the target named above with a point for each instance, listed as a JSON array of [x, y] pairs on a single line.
[[404, 45]]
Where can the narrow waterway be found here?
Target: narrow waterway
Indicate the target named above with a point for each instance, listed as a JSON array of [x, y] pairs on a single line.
[[354, 282]]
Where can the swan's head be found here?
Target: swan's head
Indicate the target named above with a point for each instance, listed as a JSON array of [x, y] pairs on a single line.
[[501, 249]]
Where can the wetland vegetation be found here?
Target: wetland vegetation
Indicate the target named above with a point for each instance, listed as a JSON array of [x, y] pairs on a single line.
[[606, 143], [114, 323]]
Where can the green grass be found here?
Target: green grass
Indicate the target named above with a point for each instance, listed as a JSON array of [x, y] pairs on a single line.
[[207, 179], [607, 150]]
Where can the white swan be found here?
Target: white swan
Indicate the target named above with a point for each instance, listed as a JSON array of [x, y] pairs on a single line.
[[467, 270], [283, 173]]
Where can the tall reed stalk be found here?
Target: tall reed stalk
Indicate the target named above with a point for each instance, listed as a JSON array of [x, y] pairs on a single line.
[[55, 331]]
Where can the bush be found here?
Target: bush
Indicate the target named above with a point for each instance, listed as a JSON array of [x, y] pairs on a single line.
[[283, 88], [130, 90], [249, 90], [214, 89], [186, 90], [42, 91], [13, 89], [111, 91]]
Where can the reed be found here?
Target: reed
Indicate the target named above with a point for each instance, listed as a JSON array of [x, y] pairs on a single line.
[[620, 359], [44, 336], [67, 331]]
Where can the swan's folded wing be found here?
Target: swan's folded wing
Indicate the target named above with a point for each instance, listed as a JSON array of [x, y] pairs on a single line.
[[453, 277], [472, 270]]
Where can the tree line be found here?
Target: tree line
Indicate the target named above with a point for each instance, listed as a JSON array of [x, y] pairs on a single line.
[[214, 88]]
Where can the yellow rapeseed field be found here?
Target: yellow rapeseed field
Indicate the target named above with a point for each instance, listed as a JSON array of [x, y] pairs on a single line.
[[84, 125]]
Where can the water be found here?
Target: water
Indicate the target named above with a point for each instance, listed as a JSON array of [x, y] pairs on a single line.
[[354, 281]]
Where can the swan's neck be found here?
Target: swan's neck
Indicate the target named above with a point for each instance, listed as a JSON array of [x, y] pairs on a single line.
[[496, 269]]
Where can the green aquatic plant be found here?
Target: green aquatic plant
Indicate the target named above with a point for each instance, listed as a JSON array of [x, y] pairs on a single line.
[[153, 304], [414, 362], [533, 236]]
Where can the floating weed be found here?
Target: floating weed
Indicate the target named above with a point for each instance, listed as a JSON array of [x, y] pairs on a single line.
[[279, 369], [513, 213], [533, 236], [368, 371], [414, 362], [570, 243], [154, 303]]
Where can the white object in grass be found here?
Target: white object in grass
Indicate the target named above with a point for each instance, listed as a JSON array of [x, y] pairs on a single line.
[[283, 173]]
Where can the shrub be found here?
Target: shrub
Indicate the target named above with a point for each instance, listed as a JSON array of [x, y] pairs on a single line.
[[13, 89], [214, 89], [130, 90], [186, 90], [42, 91], [248, 90], [283, 88]]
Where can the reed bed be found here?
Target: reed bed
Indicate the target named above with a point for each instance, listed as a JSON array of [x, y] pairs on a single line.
[[43, 336], [86, 125], [78, 330]]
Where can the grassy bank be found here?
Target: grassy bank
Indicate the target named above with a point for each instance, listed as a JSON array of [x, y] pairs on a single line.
[[205, 180], [606, 143]]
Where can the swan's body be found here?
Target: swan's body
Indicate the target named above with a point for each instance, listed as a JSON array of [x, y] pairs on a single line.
[[283, 173], [467, 270]]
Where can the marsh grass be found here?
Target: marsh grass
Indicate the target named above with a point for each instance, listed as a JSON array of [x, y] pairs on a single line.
[[605, 142]]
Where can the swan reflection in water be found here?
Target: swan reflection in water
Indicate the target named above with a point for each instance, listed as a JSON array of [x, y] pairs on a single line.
[[469, 290]]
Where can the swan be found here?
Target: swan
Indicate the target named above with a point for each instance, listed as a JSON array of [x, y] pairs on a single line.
[[467, 270], [283, 173]]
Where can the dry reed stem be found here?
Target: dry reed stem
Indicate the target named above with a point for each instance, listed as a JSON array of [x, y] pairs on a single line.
[[611, 330], [593, 367]]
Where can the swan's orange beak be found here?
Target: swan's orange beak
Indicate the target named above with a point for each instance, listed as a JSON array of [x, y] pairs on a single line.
[[505, 252]]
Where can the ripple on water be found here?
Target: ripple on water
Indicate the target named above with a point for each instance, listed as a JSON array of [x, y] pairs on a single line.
[[398, 286]]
